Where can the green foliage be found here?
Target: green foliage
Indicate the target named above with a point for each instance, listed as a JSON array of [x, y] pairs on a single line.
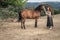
[[43, 13], [19, 3], [6, 13], [56, 11], [11, 8], [3, 3]]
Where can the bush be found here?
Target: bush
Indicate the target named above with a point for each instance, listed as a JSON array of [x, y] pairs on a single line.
[[43, 13], [6, 13], [56, 11]]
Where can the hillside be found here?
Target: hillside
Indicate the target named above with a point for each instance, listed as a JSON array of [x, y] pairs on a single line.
[[55, 5]]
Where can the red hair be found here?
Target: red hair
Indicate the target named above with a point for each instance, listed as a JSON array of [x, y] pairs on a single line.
[[49, 9]]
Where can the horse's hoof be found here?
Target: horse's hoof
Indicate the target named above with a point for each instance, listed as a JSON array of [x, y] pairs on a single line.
[[35, 26], [24, 28], [21, 27]]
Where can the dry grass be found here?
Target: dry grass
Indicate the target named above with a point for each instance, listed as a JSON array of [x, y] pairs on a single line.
[[12, 30]]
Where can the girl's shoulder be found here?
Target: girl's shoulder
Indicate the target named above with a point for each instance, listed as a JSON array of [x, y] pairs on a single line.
[[48, 12]]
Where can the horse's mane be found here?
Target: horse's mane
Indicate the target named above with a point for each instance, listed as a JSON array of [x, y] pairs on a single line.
[[38, 8]]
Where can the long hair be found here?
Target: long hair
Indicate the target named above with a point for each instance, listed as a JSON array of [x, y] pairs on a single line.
[[51, 10]]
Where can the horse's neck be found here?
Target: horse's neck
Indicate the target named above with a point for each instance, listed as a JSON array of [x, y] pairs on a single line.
[[37, 10]]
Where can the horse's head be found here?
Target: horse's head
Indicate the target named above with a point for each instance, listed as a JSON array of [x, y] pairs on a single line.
[[40, 8], [43, 7], [47, 7]]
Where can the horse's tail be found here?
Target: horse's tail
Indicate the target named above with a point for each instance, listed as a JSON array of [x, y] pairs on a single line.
[[19, 16]]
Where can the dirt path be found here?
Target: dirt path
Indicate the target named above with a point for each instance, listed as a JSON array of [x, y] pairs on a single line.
[[12, 31]]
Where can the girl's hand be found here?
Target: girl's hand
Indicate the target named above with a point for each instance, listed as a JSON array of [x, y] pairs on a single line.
[[53, 16]]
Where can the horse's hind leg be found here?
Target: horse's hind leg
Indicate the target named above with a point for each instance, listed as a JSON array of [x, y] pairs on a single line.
[[35, 23]]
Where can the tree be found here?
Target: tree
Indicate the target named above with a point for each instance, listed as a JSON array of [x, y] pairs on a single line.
[[19, 3]]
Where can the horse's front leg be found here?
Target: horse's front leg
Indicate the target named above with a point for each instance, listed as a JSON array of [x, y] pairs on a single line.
[[35, 23], [23, 23]]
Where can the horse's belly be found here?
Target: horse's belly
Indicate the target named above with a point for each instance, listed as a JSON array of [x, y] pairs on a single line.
[[32, 17]]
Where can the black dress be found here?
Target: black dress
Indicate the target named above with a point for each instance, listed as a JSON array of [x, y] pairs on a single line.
[[49, 20]]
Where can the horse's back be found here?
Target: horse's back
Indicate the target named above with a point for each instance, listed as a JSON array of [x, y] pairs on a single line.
[[27, 13], [30, 14]]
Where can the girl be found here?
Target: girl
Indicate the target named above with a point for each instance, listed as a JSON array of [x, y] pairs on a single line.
[[49, 18]]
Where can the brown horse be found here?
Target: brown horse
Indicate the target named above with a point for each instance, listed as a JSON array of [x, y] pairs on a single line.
[[30, 14]]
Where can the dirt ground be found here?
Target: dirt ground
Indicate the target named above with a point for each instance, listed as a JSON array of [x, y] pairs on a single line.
[[13, 31]]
